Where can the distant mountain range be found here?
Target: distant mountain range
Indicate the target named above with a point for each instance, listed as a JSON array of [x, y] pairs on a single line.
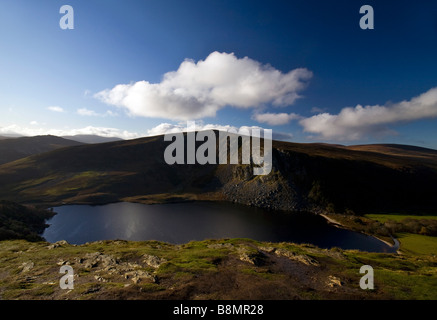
[[310, 177]]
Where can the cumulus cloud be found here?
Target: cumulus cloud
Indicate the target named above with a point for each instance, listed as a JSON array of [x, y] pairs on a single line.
[[275, 119], [164, 128], [198, 90], [91, 113], [86, 112], [355, 123], [55, 109]]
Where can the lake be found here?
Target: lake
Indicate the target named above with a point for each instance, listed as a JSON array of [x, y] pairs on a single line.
[[182, 222]]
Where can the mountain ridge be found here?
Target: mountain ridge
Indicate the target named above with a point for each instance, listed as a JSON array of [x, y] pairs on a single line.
[[89, 138], [305, 177], [12, 149]]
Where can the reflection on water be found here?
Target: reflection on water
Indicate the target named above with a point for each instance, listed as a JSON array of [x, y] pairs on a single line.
[[182, 222]]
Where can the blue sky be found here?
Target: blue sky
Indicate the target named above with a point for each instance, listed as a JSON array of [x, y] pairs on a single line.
[[301, 68]]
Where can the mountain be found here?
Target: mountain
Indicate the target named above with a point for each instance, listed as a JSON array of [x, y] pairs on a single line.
[[397, 150], [9, 136], [16, 148], [310, 177], [91, 138]]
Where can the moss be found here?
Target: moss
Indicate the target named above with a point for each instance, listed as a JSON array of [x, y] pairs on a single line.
[[151, 287]]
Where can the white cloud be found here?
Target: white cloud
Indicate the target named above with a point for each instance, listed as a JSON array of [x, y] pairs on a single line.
[[160, 129], [86, 112], [90, 130], [34, 123], [355, 123], [110, 113], [275, 119], [164, 128], [55, 109], [198, 90], [92, 113]]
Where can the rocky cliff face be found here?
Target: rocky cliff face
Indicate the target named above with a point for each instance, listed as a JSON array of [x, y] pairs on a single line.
[[272, 191], [335, 179]]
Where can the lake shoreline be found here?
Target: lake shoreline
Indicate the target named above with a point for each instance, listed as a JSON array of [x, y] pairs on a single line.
[[395, 244]]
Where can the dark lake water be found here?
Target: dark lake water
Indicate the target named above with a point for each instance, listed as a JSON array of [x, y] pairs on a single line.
[[182, 222]]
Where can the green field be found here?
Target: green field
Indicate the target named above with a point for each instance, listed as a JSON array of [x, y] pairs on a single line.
[[396, 217], [418, 244]]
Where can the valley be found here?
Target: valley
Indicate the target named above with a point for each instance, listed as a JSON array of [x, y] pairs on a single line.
[[357, 186]]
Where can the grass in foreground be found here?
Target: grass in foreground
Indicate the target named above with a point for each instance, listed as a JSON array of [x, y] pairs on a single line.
[[211, 269]]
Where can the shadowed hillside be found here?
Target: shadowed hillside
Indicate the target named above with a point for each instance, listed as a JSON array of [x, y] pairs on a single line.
[[313, 177], [86, 138], [22, 222], [16, 148]]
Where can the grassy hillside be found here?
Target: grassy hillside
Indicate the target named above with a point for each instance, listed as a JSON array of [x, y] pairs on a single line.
[[211, 269], [97, 173], [312, 177], [16, 148]]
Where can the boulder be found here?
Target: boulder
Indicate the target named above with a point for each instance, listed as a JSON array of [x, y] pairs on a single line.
[[333, 281], [91, 260], [139, 275], [297, 257], [26, 266], [57, 244], [153, 261], [256, 258]]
